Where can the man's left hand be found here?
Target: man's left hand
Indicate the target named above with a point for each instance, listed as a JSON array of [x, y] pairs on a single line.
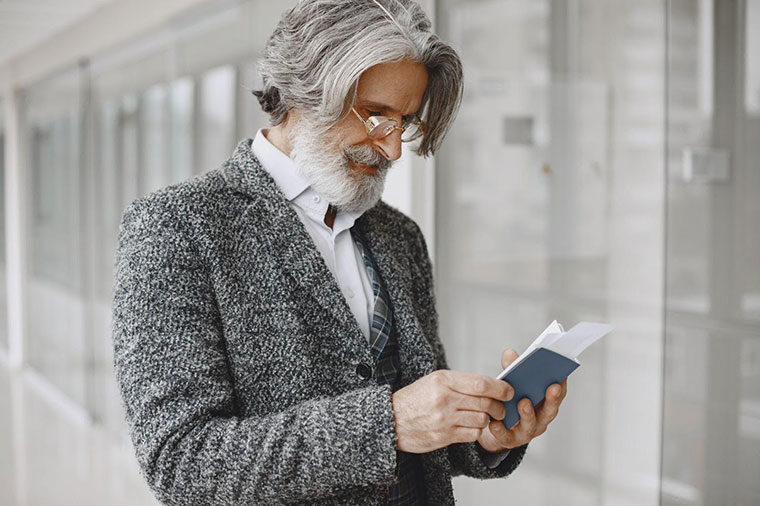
[[533, 422]]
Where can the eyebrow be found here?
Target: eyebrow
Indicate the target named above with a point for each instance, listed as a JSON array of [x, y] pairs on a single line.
[[381, 107]]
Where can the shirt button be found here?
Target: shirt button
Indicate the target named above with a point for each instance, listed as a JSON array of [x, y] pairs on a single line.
[[316, 199], [364, 371], [349, 293]]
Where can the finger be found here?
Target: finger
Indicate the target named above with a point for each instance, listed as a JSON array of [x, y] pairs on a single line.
[[473, 419], [524, 430], [502, 435], [507, 357], [466, 434], [494, 408], [564, 390], [479, 385], [548, 409], [554, 393]]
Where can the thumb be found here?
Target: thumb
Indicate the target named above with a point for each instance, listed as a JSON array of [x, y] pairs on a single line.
[[497, 428], [497, 436], [507, 357]]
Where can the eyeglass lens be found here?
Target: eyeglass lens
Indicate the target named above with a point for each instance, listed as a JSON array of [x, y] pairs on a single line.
[[387, 127]]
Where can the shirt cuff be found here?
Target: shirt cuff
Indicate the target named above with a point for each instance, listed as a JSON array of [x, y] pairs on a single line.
[[492, 460]]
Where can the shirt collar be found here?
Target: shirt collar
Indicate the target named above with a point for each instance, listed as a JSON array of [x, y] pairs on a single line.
[[280, 166], [284, 172]]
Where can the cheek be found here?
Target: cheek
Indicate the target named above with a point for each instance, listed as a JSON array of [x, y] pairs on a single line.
[[350, 134], [355, 140]]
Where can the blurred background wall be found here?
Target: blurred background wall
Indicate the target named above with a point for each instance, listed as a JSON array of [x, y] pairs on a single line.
[[605, 166]]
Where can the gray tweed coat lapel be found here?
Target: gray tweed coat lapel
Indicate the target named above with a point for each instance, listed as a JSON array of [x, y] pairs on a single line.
[[269, 210], [285, 234]]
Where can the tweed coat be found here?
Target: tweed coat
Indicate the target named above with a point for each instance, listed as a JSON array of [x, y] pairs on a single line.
[[241, 367]]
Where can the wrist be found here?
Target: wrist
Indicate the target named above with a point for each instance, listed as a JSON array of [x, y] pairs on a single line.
[[398, 421]]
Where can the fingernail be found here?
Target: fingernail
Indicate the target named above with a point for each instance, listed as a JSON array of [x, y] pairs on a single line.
[[510, 395]]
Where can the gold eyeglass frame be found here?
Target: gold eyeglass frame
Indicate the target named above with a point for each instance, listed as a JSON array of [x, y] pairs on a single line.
[[373, 126]]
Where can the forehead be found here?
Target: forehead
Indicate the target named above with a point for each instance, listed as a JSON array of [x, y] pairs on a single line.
[[397, 87]]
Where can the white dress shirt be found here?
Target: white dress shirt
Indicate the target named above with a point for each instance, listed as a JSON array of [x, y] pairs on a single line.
[[336, 245]]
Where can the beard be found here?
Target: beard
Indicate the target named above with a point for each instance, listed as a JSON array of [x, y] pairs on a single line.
[[325, 165]]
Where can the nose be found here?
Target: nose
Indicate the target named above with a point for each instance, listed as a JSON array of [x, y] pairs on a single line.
[[390, 145]]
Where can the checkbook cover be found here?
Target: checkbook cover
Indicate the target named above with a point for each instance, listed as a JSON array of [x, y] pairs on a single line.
[[533, 376]]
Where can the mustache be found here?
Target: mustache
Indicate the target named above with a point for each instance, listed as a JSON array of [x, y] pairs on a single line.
[[365, 155]]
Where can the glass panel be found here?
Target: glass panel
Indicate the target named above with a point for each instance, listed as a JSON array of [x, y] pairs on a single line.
[[217, 121], [78, 463], [55, 310], [107, 196], [689, 132], [154, 125], [552, 195], [711, 424], [3, 283], [685, 398], [750, 278], [181, 131], [752, 58], [7, 456], [131, 181], [113, 116]]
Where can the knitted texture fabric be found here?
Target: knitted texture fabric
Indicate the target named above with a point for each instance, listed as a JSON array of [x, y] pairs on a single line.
[[239, 362]]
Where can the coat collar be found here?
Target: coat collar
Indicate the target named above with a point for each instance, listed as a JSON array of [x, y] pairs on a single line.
[[270, 210]]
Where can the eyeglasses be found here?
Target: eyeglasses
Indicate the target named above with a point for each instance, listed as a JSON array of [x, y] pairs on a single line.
[[382, 126]]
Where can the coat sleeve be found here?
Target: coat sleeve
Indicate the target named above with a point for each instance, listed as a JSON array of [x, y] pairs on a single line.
[[172, 371], [468, 459]]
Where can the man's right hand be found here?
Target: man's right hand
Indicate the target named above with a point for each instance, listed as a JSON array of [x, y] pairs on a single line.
[[447, 407]]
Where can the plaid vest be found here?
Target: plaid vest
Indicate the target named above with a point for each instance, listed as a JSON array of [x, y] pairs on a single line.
[[409, 488]]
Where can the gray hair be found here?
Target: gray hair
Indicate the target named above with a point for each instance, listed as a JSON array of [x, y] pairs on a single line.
[[316, 54]]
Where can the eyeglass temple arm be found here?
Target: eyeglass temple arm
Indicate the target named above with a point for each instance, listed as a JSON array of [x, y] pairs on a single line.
[[360, 118]]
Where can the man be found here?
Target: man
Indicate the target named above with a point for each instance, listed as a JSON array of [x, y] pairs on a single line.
[[275, 333]]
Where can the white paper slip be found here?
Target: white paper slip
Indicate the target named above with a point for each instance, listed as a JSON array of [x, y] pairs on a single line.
[[574, 341], [569, 344]]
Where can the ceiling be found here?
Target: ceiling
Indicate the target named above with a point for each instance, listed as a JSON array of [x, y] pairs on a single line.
[[26, 23]]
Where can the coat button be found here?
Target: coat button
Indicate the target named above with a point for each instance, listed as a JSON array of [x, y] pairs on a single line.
[[364, 371]]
